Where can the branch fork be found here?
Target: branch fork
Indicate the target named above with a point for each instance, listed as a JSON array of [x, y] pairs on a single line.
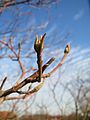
[[36, 76]]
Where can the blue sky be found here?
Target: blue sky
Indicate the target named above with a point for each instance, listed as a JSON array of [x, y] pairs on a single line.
[[76, 17], [73, 16], [67, 16]]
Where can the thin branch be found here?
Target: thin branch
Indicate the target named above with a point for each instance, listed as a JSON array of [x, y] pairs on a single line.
[[3, 82], [15, 3], [30, 79], [27, 94], [66, 51], [18, 57]]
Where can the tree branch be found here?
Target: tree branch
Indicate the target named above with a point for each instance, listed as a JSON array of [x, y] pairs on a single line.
[[34, 77], [31, 79]]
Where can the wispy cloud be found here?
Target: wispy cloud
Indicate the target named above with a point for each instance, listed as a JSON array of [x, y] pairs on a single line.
[[78, 15], [51, 30], [78, 64], [43, 25]]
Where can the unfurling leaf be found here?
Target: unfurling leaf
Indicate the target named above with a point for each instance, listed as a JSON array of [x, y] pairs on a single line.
[[36, 44], [67, 49], [39, 43], [38, 87]]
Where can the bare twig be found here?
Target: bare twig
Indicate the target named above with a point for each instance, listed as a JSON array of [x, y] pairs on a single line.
[[26, 94], [38, 46], [10, 46], [30, 79], [66, 51], [3, 82]]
